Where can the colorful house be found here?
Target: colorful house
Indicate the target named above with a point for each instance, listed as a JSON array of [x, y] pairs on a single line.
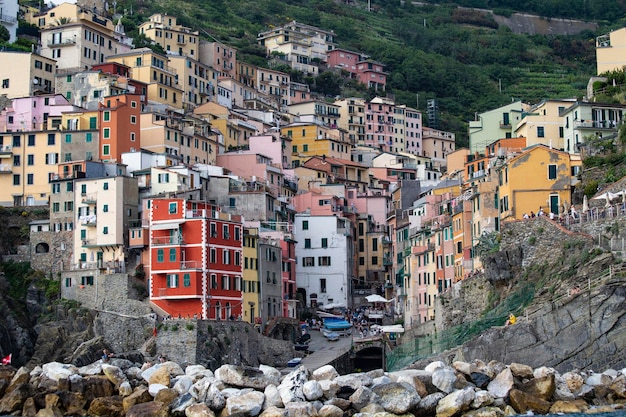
[[195, 259]]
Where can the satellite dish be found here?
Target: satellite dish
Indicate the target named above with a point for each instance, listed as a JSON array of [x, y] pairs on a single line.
[[35, 81]]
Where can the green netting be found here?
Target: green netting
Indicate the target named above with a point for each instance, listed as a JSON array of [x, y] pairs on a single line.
[[426, 346]]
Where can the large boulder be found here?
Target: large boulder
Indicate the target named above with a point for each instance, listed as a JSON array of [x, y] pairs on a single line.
[[14, 400], [500, 386], [151, 409], [246, 377], [397, 398], [523, 402], [106, 407], [455, 403], [249, 404], [290, 388]]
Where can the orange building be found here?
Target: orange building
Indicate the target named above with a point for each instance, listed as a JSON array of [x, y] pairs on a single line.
[[118, 121], [195, 259]]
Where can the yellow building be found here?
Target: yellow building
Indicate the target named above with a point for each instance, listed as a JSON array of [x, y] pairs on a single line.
[[188, 139], [539, 178], [251, 285], [234, 126], [29, 73], [312, 139], [174, 38], [611, 51], [153, 69], [197, 80], [542, 124]]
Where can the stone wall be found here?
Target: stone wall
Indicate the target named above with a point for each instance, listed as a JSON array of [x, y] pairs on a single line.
[[212, 343], [59, 247]]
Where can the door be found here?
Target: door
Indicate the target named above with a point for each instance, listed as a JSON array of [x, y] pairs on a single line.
[[554, 204]]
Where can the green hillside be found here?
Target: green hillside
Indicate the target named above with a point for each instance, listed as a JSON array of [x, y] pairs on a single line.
[[458, 56]]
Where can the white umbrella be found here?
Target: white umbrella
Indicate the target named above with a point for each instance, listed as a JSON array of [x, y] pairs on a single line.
[[585, 204], [375, 298]]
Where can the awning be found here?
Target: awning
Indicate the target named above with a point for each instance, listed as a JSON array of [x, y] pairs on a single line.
[[168, 225]]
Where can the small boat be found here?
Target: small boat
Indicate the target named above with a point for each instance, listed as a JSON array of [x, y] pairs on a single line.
[[294, 362], [336, 324], [302, 347], [331, 336]]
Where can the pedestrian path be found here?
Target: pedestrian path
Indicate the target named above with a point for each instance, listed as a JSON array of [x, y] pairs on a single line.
[[324, 351]]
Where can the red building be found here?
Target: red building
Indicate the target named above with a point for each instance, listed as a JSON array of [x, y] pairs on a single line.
[[195, 259], [360, 67]]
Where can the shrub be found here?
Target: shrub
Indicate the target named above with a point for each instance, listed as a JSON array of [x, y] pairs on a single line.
[[532, 240], [189, 326]]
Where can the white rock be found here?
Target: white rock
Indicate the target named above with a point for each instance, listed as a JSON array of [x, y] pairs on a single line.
[[354, 381], [193, 370], [598, 379], [574, 381], [431, 367], [455, 403], [325, 372], [500, 386], [183, 384], [125, 389], [199, 410], [330, 388], [199, 389], [312, 390], [300, 409], [290, 388], [381, 380], [271, 372], [444, 379], [611, 372], [249, 404], [90, 370], [544, 371], [397, 398], [57, 371], [272, 397], [215, 400], [37, 371], [362, 398], [330, 410], [114, 374], [482, 398], [153, 389], [463, 367], [133, 372], [247, 377]]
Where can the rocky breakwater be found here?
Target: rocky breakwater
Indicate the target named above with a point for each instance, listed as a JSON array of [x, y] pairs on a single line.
[[123, 388]]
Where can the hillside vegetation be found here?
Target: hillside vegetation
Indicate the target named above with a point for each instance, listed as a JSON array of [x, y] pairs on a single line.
[[459, 56]]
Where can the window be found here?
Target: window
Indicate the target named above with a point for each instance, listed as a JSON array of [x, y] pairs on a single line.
[[324, 242], [305, 225], [552, 171], [133, 120], [374, 260], [160, 255], [31, 140], [30, 179], [93, 123], [16, 160], [105, 208], [214, 281], [322, 285], [226, 256], [308, 261], [106, 116], [105, 230], [5, 83], [105, 186], [172, 254], [171, 280], [16, 141], [106, 150], [88, 137], [68, 138], [106, 133], [323, 260], [16, 179], [307, 243], [186, 280], [540, 132], [51, 139], [213, 255], [173, 208]]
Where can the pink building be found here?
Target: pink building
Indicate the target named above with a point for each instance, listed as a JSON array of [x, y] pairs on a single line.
[[360, 67], [379, 124], [273, 147], [252, 166], [412, 131], [32, 113]]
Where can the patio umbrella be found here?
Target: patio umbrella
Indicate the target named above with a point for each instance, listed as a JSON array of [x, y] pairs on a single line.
[[585, 204], [375, 298]]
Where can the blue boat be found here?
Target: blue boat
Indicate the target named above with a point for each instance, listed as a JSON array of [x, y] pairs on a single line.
[[335, 324]]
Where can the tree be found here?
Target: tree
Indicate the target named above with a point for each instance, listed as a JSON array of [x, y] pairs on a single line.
[[4, 34], [142, 41]]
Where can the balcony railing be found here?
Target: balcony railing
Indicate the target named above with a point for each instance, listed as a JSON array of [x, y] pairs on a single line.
[[7, 19], [595, 124], [167, 240], [6, 168], [90, 220], [6, 149], [64, 42], [191, 265]]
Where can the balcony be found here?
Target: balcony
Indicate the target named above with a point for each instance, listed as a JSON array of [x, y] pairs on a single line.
[[191, 265], [89, 199], [595, 124], [6, 151], [90, 221], [387, 259], [7, 19], [64, 42], [167, 240], [6, 168]]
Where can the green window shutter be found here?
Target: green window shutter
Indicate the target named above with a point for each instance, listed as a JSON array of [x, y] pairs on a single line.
[[93, 123]]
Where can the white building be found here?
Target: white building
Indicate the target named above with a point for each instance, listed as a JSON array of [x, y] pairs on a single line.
[[8, 17], [324, 256]]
